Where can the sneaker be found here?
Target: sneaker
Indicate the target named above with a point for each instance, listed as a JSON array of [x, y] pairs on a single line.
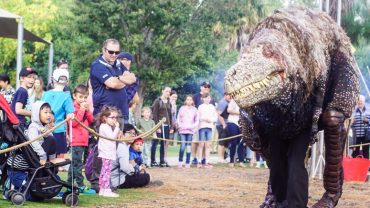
[[109, 193], [101, 192], [231, 165], [60, 194], [164, 165], [154, 164], [86, 190], [194, 161], [179, 165], [187, 165], [203, 161]]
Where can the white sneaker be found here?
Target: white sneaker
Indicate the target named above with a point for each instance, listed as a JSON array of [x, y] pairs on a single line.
[[101, 192], [179, 165], [109, 193]]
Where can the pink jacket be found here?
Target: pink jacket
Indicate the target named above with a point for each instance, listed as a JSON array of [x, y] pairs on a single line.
[[187, 119], [80, 136], [107, 148]]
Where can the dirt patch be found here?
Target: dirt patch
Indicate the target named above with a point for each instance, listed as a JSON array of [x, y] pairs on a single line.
[[229, 187]]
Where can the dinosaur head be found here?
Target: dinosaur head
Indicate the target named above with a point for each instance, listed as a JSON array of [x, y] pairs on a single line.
[[259, 75]]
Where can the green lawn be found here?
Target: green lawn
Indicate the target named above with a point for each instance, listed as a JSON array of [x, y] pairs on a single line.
[[126, 195]]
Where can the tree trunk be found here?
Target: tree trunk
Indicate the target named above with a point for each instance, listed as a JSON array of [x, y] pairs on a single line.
[[140, 92]]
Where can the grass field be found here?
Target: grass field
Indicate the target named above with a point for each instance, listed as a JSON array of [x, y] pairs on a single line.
[[126, 195]]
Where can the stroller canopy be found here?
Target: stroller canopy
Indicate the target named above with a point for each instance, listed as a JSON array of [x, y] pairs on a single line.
[[9, 113]]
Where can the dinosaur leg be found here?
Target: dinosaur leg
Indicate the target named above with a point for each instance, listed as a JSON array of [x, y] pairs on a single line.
[[334, 132]]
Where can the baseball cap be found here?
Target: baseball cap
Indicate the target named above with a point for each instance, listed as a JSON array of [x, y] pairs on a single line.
[[125, 55], [58, 75], [138, 140], [206, 84], [26, 71]]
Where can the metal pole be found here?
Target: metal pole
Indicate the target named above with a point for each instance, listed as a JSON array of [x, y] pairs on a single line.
[[320, 5], [327, 4], [19, 50], [50, 66], [313, 160], [321, 152], [339, 12]]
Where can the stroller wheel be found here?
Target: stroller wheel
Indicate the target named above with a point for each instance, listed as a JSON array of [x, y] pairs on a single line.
[[65, 194], [9, 194], [71, 200], [18, 199]]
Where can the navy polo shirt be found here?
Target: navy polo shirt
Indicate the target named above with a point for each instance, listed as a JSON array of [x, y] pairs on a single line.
[[102, 95]]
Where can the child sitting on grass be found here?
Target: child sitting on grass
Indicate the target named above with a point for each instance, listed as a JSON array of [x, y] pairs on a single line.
[[135, 154]]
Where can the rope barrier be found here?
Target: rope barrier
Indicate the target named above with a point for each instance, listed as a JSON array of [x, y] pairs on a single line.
[[214, 140], [147, 135], [33, 140], [359, 145], [124, 139]]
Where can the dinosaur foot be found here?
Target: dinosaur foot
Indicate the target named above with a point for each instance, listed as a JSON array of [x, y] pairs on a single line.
[[327, 201], [270, 199]]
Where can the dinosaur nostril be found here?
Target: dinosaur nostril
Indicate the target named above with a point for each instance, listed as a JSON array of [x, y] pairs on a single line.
[[233, 73]]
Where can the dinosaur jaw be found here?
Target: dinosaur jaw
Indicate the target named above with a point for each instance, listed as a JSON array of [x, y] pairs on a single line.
[[260, 91]]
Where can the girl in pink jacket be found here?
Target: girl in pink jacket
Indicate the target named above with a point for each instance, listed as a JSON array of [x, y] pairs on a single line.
[[108, 127], [187, 119]]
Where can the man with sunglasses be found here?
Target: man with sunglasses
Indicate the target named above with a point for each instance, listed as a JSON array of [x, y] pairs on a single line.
[[108, 79]]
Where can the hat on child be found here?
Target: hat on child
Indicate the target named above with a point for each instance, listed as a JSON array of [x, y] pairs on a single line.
[[27, 71], [138, 140], [61, 76]]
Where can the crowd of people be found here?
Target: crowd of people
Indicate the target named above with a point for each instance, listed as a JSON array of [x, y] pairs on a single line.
[[107, 104]]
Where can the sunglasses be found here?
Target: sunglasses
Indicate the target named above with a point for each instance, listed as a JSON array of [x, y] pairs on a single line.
[[112, 52], [207, 86]]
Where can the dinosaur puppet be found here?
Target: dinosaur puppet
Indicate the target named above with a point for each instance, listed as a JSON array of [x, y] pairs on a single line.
[[296, 75]]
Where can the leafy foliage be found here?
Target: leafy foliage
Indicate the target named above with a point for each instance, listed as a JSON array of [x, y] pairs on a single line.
[[38, 17]]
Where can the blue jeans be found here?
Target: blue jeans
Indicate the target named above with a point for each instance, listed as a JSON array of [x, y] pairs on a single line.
[[205, 134], [234, 130], [185, 139]]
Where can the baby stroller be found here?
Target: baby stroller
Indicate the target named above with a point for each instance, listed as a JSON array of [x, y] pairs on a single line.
[[42, 181]]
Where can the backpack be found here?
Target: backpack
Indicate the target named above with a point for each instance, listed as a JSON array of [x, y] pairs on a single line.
[[89, 169]]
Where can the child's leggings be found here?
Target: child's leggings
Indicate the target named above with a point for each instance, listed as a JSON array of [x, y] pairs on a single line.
[[105, 173]]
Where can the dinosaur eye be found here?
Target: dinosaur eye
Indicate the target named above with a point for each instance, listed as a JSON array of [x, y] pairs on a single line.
[[267, 51]]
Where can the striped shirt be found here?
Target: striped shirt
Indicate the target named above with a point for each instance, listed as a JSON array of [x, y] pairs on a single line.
[[358, 124], [17, 161]]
